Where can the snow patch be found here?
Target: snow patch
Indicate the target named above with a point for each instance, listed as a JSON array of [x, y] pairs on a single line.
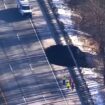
[[89, 74]]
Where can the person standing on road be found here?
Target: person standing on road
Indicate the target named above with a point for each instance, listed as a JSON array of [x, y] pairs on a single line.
[[64, 80], [68, 85], [71, 83]]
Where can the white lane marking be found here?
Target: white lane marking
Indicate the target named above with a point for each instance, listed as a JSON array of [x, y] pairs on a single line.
[[4, 4], [48, 62], [0, 88], [24, 99], [2, 94], [11, 68], [18, 36], [18, 84], [31, 67], [45, 99]]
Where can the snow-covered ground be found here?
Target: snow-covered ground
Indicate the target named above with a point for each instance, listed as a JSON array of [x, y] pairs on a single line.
[[64, 15], [90, 77]]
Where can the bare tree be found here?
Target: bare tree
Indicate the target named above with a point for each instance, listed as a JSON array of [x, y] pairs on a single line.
[[93, 21]]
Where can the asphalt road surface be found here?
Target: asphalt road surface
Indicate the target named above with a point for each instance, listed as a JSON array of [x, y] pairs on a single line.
[[25, 75]]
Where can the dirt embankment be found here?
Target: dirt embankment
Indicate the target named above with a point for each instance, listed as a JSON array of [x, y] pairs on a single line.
[[85, 32]]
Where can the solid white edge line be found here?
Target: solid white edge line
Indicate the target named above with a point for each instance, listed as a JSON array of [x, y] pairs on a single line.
[[48, 61]]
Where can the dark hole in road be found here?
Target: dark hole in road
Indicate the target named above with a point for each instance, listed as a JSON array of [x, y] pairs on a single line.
[[59, 55]]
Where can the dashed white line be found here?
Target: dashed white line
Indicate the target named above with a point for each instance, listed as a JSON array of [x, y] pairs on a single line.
[[18, 36], [17, 82], [45, 99], [4, 4], [31, 67], [24, 99], [2, 94], [11, 68]]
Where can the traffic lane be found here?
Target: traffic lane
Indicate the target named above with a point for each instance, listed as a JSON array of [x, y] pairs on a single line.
[[29, 99], [10, 14], [8, 43], [40, 30], [40, 22], [23, 22], [10, 3], [22, 31], [7, 79], [42, 26], [2, 55], [9, 40], [21, 77], [25, 25], [9, 85], [12, 48], [40, 81], [26, 35], [28, 39], [11, 43], [49, 89], [26, 49], [22, 83], [32, 91], [1, 6], [41, 66], [25, 79]]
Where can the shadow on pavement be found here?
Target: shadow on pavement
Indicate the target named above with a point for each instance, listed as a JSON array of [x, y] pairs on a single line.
[[59, 55], [11, 15], [74, 2]]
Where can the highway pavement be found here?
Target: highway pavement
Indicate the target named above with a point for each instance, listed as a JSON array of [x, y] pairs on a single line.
[[26, 78]]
